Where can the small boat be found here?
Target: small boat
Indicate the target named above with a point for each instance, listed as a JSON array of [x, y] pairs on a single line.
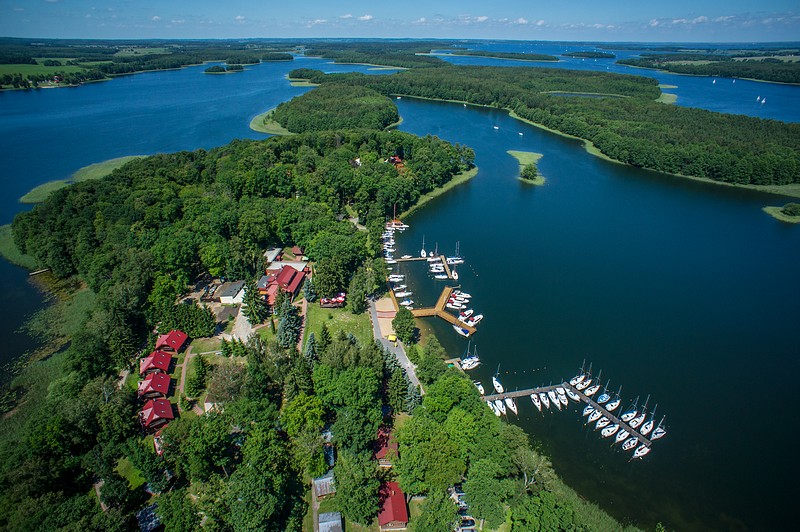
[[470, 363], [610, 430], [592, 390], [500, 406], [455, 275], [404, 293], [621, 436], [588, 410], [594, 416], [423, 253], [583, 384], [407, 302], [562, 396], [460, 330], [630, 444], [479, 386], [400, 287], [536, 402], [554, 399], [635, 422], [440, 276], [641, 451], [603, 398], [545, 400], [577, 379], [520, 133], [660, 431], [462, 294], [496, 127], [511, 404], [466, 314], [631, 412], [613, 405], [602, 422], [475, 320], [574, 396], [454, 306], [497, 386], [391, 261]]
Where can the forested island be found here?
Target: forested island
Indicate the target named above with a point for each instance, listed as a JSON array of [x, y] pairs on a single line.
[[26, 63], [506, 55], [219, 69], [590, 55], [635, 129], [767, 67], [402, 54]]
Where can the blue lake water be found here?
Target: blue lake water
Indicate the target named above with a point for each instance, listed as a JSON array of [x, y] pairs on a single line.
[[679, 289]]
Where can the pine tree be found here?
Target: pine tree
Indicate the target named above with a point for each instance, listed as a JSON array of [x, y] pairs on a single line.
[[397, 390], [280, 300], [324, 338], [310, 353], [309, 292], [413, 398], [253, 306]]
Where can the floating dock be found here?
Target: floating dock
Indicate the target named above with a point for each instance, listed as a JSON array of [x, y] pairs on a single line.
[[440, 311], [584, 398], [442, 258]]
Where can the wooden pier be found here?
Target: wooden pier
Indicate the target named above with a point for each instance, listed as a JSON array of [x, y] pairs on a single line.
[[584, 398], [442, 258]]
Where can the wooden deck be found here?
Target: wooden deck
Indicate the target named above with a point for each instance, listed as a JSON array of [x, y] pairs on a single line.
[[588, 400], [440, 311], [447, 270]]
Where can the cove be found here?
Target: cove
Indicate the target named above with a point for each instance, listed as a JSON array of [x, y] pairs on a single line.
[[675, 288]]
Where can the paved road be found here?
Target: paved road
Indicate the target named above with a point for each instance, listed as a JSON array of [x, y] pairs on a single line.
[[398, 351]]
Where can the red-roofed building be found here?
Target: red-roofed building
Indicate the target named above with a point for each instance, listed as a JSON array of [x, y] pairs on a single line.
[[287, 279], [154, 362], [385, 448], [154, 385], [172, 341], [156, 413], [394, 513], [297, 251]]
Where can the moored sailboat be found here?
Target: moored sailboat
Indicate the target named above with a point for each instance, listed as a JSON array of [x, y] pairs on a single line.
[[554, 399], [621, 436], [641, 451], [500, 406], [496, 382], [545, 400], [536, 402], [479, 386], [511, 404], [609, 430]]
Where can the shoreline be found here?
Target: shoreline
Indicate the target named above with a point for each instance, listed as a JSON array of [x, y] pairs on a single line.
[[711, 75], [777, 213], [270, 127], [456, 180], [525, 158], [498, 58]]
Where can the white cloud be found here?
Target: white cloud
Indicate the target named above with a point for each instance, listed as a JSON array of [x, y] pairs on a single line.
[[521, 20], [481, 19], [178, 21], [365, 18], [540, 22], [653, 23], [155, 18], [420, 20], [349, 15], [239, 18], [51, 1], [319, 21]]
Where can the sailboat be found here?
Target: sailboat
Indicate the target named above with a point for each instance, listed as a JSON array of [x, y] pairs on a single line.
[[641, 451], [635, 422], [594, 416], [630, 443], [500, 406], [604, 397], [588, 410], [511, 404], [423, 253], [631, 412], [614, 403], [479, 386], [602, 423], [574, 396], [648, 426], [494, 410], [660, 431], [592, 390], [536, 402], [583, 384], [496, 383], [621, 435], [545, 400], [562, 396], [553, 399], [455, 274]]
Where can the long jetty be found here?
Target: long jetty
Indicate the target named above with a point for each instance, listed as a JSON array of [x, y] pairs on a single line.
[[440, 311], [584, 398], [442, 258]]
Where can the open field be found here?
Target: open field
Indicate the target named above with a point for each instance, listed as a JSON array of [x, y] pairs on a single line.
[[338, 319], [27, 70]]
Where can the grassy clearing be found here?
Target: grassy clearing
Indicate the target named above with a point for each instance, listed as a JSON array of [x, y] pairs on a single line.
[[525, 158], [777, 213], [666, 86], [302, 83], [458, 179], [338, 319], [667, 98], [134, 51], [29, 70], [11, 253], [128, 472], [204, 345], [264, 124], [93, 171]]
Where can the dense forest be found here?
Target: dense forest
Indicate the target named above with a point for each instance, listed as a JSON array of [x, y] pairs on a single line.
[[506, 55], [336, 107], [136, 238], [635, 130], [590, 55], [387, 53], [764, 68]]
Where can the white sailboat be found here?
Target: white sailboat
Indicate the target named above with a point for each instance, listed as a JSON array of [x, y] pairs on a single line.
[[648, 426], [479, 386], [609, 430], [621, 436], [574, 396], [602, 422], [536, 402], [613, 405], [494, 410], [553, 399], [641, 451], [583, 384], [660, 431], [496, 383], [588, 410], [500, 406], [630, 444], [635, 422], [562, 396], [423, 253], [594, 416], [545, 400], [511, 404], [631, 412], [576, 379], [455, 274], [592, 390]]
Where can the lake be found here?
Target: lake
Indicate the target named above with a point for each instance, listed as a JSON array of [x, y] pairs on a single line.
[[677, 289]]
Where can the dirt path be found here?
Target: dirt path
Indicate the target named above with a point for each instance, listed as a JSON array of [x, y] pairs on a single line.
[[304, 314], [242, 328]]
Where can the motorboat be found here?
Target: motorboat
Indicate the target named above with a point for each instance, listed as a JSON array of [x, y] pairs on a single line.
[[588, 410], [440, 276], [602, 422], [613, 405], [545, 400], [400, 287], [641, 451], [594, 416], [466, 314], [574, 396], [635, 422], [454, 306], [406, 257], [462, 294], [475, 320], [397, 277], [497, 386], [479, 386], [462, 331], [622, 436], [592, 390], [610, 430], [407, 302], [583, 384], [404, 293], [536, 402], [630, 444], [511, 404], [391, 261], [554, 399], [500, 406]]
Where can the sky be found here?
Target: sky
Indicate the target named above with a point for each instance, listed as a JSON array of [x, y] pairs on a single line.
[[569, 20]]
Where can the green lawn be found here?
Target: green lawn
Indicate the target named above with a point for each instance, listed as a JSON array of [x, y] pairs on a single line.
[[27, 70], [10, 251], [204, 345], [339, 319], [131, 474], [264, 124], [93, 171]]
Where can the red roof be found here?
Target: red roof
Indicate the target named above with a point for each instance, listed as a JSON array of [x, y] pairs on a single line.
[[172, 340], [297, 251], [155, 360], [286, 275], [156, 410], [384, 444], [393, 509], [155, 382]]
